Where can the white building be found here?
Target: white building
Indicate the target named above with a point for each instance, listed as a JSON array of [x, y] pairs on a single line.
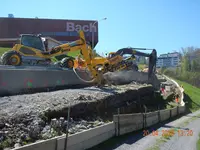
[[168, 60]]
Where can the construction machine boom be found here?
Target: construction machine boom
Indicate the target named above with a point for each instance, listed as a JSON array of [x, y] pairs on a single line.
[[118, 55], [31, 47]]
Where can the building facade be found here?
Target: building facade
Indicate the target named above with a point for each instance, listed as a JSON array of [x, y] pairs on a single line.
[[61, 30], [168, 60]]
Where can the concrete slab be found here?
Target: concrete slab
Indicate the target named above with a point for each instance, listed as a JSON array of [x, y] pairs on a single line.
[[15, 81], [173, 112], [128, 123], [152, 118], [42, 145], [164, 114], [87, 138], [181, 109]]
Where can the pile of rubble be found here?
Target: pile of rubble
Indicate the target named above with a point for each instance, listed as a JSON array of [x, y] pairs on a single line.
[[24, 118], [22, 134]]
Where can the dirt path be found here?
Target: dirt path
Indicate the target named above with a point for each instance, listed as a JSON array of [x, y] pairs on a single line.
[[186, 124], [187, 140]]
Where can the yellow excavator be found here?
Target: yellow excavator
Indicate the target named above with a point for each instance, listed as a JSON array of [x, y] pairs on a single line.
[[31, 49]]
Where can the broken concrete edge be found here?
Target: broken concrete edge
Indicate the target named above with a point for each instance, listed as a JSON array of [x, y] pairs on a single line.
[[181, 89], [122, 124]]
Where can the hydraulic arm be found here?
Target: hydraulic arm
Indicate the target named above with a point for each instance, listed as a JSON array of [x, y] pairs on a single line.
[[134, 51], [85, 49], [31, 49]]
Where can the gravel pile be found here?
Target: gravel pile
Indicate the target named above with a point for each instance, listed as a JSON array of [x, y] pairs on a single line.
[[14, 136], [23, 119]]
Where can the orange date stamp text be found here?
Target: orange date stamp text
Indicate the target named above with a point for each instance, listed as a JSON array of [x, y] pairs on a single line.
[[168, 132]]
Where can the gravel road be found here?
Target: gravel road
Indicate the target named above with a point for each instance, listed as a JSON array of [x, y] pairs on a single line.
[[185, 142], [181, 142]]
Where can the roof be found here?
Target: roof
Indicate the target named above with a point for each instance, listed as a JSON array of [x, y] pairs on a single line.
[[8, 39], [47, 19]]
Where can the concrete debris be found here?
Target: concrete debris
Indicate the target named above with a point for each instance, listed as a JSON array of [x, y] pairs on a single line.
[[30, 122], [31, 117]]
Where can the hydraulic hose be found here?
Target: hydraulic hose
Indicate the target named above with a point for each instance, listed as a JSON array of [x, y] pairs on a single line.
[[91, 81]]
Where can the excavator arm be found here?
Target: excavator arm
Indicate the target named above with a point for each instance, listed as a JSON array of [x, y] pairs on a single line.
[[77, 45], [131, 51], [134, 51]]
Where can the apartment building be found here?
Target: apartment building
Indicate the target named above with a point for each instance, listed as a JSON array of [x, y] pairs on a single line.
[[168, 60]]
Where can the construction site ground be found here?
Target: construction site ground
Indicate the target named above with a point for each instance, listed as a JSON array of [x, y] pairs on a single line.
[[186, 134], [31, 117]]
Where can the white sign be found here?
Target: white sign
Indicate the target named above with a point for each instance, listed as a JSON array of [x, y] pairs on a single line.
[[70, 27]]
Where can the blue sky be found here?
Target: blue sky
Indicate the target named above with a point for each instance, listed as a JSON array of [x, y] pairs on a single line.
[[165, 25]]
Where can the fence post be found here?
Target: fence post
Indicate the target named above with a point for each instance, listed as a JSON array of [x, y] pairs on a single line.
[[116, 125], [67, 130], [159, 114], [144, 117], [177, 110], [118, 112], [170, 114]]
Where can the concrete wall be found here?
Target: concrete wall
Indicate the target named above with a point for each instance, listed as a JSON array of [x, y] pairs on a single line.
[[164, 115], [174, 111], [42, 145], [126, 123], [152, 118], [181, 109], [12, 81], [123, 123], [87, 139], [78, 141]]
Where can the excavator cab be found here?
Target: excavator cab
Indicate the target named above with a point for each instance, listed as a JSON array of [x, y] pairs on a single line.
[[32, 41], [111, 55], [29, 49]]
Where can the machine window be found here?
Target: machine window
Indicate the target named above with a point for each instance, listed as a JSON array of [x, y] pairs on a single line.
[[32, 41]]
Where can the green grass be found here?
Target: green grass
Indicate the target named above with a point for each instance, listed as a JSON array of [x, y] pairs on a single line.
[[198, 143], [3, 50], [191, 96], [157, 145], [71, 54], [142, 66]]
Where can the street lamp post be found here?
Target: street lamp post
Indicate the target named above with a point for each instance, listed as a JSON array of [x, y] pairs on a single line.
[[93, 31]]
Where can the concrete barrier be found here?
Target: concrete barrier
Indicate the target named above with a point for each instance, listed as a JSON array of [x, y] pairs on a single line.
[[42, 145], [152, 118], [123, 123], [181, 109], [37, 77], [78, 141], [87, 139], [164, 114], [174, 111], [128, 122]]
